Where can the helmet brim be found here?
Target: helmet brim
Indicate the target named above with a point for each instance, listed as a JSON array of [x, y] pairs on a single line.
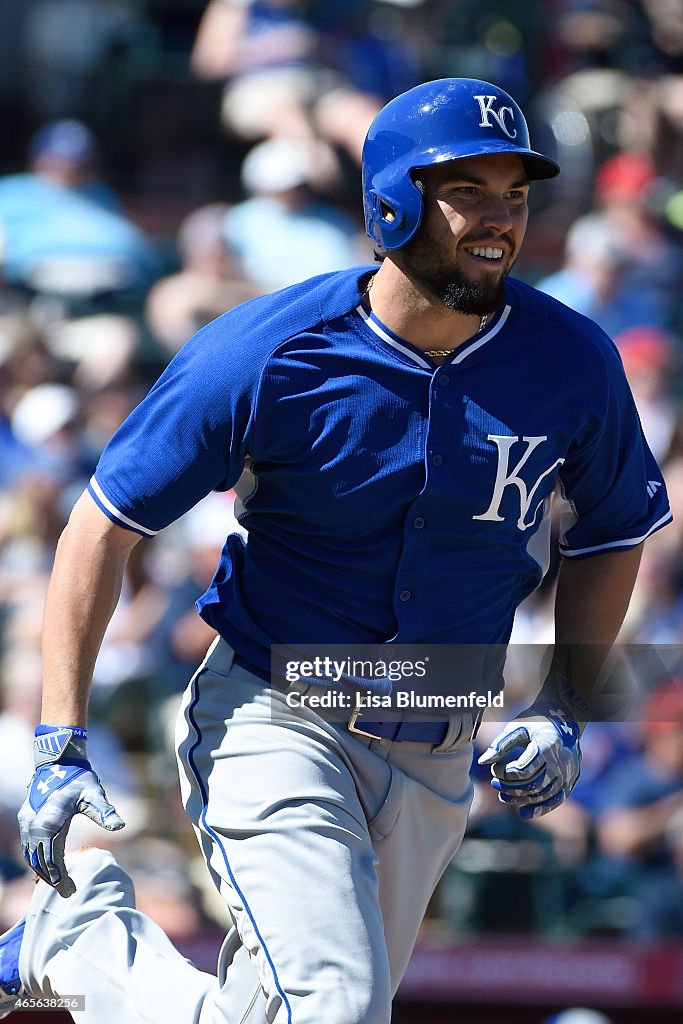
[[537, 166]]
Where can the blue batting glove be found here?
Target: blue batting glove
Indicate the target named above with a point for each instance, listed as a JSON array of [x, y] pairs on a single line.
[[536, 760], [63, 784]]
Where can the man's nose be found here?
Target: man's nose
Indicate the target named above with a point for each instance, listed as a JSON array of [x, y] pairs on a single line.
[[496, 215]]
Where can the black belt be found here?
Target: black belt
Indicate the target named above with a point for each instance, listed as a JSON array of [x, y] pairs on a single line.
[[399, 731], [403, 732]]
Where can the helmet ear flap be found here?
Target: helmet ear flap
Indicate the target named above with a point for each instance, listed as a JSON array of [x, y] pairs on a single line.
[[387, 212], [384, 219], [393, 218]]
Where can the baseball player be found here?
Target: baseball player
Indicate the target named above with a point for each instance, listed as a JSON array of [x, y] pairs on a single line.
[[394, 436]]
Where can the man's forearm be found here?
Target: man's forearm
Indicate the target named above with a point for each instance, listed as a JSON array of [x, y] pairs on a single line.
[[82, 595], [593, 595]]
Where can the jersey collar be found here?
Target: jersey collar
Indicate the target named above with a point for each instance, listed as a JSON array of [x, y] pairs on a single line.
[[460, 354]]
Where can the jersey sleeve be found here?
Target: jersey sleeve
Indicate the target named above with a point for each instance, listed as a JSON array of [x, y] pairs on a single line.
[[613, 495], [189, 436]]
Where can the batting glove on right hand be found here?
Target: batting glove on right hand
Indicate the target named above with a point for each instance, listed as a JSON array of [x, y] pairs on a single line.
[[536, 760], [63, 785]]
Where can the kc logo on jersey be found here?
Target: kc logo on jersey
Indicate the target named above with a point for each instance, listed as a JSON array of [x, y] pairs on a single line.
[[506, 477], [488, 112]]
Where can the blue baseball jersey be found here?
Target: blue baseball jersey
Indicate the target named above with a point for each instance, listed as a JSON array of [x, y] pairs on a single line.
[[386, 499]]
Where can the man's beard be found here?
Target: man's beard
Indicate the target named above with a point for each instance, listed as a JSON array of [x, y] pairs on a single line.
[[450, 285]]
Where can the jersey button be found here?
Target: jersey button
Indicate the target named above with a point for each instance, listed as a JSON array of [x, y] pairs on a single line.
[[444, 380], [418, 522], [405, 595], [437, 460]]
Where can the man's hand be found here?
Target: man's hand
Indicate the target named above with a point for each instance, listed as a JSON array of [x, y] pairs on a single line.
[[535, 761], [63, 784]]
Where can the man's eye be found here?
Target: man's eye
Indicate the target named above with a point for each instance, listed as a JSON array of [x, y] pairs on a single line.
[[516, 196]]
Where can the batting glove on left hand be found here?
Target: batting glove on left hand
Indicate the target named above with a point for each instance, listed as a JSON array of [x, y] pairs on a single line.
[[63, 785], [536, 760]]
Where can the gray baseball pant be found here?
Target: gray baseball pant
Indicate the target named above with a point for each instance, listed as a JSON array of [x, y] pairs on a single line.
[[326, 847]]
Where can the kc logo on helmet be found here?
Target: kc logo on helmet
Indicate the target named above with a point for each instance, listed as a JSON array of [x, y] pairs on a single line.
[[487, 112]]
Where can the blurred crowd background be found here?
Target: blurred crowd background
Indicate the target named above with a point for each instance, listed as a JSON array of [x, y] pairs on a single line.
[[164, 161]]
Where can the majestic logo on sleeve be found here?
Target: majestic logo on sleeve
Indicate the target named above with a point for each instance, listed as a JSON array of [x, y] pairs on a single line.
[[487, 112], [506, 477]]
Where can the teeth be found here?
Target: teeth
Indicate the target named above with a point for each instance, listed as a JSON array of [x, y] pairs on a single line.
[[488, 251]]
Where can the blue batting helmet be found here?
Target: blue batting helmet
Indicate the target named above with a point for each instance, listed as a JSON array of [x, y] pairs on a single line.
[[443, 120]]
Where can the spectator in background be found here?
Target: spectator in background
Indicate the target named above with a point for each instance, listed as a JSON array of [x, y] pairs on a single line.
[[666, 124], [650, 360], [620, 268], [59, 231], [592, 281], [282, 60], [45, 420], [282, 233], [650, 262], [646, 794], [65, 153], [591, 32], [97, 351], [209, 283], [66, 45], [266, 52]]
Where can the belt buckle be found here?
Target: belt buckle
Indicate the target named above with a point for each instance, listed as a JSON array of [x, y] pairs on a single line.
[[351, 724]]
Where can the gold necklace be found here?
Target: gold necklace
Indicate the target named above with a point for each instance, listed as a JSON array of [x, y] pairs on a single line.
[[438, 353], [434, 353]]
